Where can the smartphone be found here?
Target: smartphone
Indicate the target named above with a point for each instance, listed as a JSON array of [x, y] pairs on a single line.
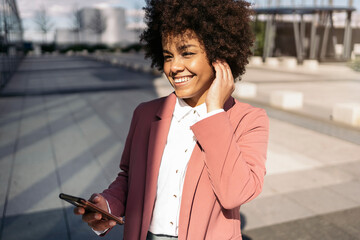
[[90, 207]]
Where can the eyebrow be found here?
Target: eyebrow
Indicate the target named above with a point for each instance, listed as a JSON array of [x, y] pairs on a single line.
[[186, 46], [181, 48]]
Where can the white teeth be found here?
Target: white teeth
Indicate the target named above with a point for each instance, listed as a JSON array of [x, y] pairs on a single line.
[[182, 79]]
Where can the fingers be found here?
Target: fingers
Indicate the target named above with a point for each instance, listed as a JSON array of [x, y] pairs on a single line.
[[95, 221], [223, 70], [79, 211], [102, 225], [95, 198], [91, 217], [218, 70]]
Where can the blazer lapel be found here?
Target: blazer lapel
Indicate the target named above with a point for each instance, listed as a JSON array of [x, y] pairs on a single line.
[[194, 170], [157, 140], [195, 167]]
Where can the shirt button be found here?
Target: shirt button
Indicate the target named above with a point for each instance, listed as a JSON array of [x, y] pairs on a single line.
[[194, 111], [177, 171], [175, 196], [171, 223], [185, 150]]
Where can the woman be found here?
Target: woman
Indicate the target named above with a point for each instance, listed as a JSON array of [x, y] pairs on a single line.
[[191, 159]]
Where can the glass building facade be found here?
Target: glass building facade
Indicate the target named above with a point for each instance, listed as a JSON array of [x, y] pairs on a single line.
[[11, 40]]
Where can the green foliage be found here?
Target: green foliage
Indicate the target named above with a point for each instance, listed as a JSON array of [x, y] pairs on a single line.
[[133, 47], [48, 47], [92, 48], [355, 64], [81, 47], [259, 31]]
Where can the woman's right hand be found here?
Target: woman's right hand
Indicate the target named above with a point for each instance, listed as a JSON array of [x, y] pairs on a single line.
[[94, 220]]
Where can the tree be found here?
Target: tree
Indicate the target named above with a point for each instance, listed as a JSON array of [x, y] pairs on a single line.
[[43, 22], [76, 23], [138, 19], [97, 24]]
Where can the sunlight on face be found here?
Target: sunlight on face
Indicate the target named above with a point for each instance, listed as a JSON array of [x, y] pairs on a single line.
[[187, 67]]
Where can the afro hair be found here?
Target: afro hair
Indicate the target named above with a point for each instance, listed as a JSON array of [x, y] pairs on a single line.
[[222, 26]]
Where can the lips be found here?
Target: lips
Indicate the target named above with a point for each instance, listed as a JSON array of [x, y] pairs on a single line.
[[182, 79]]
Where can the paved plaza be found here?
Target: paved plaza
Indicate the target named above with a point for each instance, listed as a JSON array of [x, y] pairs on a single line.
[[64, 120]]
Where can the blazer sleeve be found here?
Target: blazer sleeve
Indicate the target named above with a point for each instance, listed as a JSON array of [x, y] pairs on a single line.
[[235, 154], [116, 193]]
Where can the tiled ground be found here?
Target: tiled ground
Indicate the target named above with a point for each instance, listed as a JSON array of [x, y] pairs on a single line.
[[63, 122]]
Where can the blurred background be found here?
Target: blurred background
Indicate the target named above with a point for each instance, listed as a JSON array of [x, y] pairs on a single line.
[[72, 72]]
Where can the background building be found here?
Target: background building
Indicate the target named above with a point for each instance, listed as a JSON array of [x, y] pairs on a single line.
[[100, 26], [317, 30], [11, 39]]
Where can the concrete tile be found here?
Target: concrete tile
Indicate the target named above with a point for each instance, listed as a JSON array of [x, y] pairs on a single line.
[[348, 221], [35, 226], [78, 104], [318, 227], [56, 105], [8, 139], [348, 190], [302, 180], [322, 200], [68, 143], [267, 211], [322, 148], [352, 168], [8, 132], [282, 160], [110, 160], [33, 104], [34, 183], [5, 171], [33, 128], [10, 107], [82, 176], [94, 129], [267, 190]]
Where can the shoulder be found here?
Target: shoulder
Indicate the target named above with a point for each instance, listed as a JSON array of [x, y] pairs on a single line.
[[149, 108], [248, 115], [240, 108]]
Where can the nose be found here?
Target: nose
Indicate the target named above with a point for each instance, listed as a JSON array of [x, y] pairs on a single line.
[[176, 66]]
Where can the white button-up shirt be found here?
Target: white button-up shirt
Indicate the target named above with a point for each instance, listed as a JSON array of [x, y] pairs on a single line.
[[177, 152]]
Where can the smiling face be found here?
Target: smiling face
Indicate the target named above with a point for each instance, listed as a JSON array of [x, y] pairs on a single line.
[[187, 67]]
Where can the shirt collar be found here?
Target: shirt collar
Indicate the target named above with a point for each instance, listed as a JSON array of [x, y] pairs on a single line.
[[182, 109]]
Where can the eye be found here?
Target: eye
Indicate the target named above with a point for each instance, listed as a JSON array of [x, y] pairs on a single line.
[[167, 57], [187, 54]]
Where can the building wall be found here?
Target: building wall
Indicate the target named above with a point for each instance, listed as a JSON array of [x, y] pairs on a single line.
[[116, 32], [11, 40]]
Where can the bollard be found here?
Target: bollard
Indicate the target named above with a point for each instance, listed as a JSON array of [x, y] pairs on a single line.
[[244, 90], [347, 113], [272, 62], [289, 62], [286, 99], [256, 61], [311, 64]]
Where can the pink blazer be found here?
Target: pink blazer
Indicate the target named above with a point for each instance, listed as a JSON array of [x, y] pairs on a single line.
[[226, 170]]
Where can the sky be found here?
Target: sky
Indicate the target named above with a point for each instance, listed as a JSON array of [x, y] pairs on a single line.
[[60, 11]]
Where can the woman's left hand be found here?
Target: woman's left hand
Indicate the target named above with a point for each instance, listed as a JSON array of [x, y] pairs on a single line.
[[221, 88]]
